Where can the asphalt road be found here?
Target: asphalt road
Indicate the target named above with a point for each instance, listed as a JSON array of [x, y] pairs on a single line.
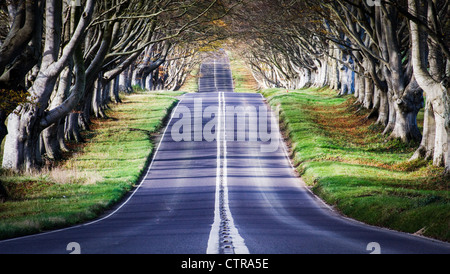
[[213, 189]]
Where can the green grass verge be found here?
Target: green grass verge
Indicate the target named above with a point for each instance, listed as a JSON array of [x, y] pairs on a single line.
[[191, 83], [350, 165], [97, 174], [242, 78]]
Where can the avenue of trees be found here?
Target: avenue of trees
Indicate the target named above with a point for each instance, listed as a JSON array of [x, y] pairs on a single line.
[[394, 56], [63, 61]]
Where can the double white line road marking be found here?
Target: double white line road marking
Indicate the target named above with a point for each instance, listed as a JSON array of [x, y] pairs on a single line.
[[224, 237]]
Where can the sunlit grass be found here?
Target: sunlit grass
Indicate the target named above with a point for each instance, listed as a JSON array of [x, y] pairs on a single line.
[[242, 78], [345, 160], [191, 83], [96, 175]]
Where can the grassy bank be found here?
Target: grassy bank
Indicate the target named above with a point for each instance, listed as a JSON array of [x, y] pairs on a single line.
[[348, 163], [242, 77], [95, 176]]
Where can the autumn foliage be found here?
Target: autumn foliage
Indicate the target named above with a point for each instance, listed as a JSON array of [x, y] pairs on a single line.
[[10, 99]]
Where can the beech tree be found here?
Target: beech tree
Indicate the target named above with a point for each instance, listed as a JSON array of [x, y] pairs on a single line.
[[389, 55], [19, 40], [386, 31], [24, 127], [80, 53], [71, 61], [19, 52], [430, 42]]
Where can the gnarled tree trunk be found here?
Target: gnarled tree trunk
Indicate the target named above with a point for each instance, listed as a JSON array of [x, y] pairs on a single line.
[[436, 137], [25, 127]]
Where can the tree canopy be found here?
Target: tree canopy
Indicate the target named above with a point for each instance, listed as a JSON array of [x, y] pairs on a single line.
[[392, 55], [69, 60]]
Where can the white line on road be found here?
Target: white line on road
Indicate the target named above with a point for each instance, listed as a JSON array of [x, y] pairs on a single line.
[[215, 78], [214, 239], [200, 79], [224, 237], [237, 241]]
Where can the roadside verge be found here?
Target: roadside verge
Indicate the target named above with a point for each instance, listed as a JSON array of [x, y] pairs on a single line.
[[345, 161], [95, 176]]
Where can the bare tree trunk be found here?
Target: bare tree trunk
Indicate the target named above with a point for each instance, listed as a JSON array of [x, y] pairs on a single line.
[[97, 99], [33, 118], [85, 116], [51, 142], [362, 89], [436, 126], [368, 97], [407, 109], [426, 148], [115, 90], [407, 96], [72, 130], [383, 109], [50, 135], [13, 154], [21, 31]]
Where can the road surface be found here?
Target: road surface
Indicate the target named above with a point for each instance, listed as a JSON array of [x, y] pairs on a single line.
[[212, 189]]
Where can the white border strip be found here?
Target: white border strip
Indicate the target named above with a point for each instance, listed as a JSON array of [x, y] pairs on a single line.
[[214, 239], [238, 243]]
